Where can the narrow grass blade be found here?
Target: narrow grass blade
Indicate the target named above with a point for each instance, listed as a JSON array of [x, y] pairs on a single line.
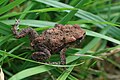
[[4, 29], [34, 23], [30, 5], [36, 11], [65, 74], [4, 56], [14, 56], [17, 47], [81, 14], [91, 33], [4, 39], [10, 6], [31, 71], [65, 19]]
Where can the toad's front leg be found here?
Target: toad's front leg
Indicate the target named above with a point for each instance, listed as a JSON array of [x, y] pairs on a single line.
[[62, 56], [31, 32]]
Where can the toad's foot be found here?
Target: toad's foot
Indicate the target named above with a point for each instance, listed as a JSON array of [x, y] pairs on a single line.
[[40, 56]]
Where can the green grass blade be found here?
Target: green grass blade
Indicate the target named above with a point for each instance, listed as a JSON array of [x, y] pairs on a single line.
[[31, 71], [30, 5], [4, 39], [65, 19], [10, 6], [113, 62], [32, 61], [11, 51], [4, 29], [81, 14], [2, 1], [17, 47], [34, 23], [91, 33], [36, 11], [65, 74], [72, 77]]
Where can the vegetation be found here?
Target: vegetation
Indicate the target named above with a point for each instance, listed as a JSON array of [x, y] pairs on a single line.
[[96, 58]]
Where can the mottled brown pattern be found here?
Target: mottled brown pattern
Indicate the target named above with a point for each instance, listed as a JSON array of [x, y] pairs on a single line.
[[53, 40]]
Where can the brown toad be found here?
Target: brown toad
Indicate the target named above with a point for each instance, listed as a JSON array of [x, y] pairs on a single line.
[[52, 40]]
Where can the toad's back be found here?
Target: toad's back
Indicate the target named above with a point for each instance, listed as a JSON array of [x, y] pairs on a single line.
[[55, 39]]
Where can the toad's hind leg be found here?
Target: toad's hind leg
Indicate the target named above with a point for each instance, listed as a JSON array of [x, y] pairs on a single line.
[[31, 32], [62, 56], [41, 55]]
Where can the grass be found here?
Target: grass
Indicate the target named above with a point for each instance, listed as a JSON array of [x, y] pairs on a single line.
[[100, 20]]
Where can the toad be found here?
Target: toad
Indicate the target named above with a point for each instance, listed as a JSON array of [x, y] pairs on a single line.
[[53, 40]]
